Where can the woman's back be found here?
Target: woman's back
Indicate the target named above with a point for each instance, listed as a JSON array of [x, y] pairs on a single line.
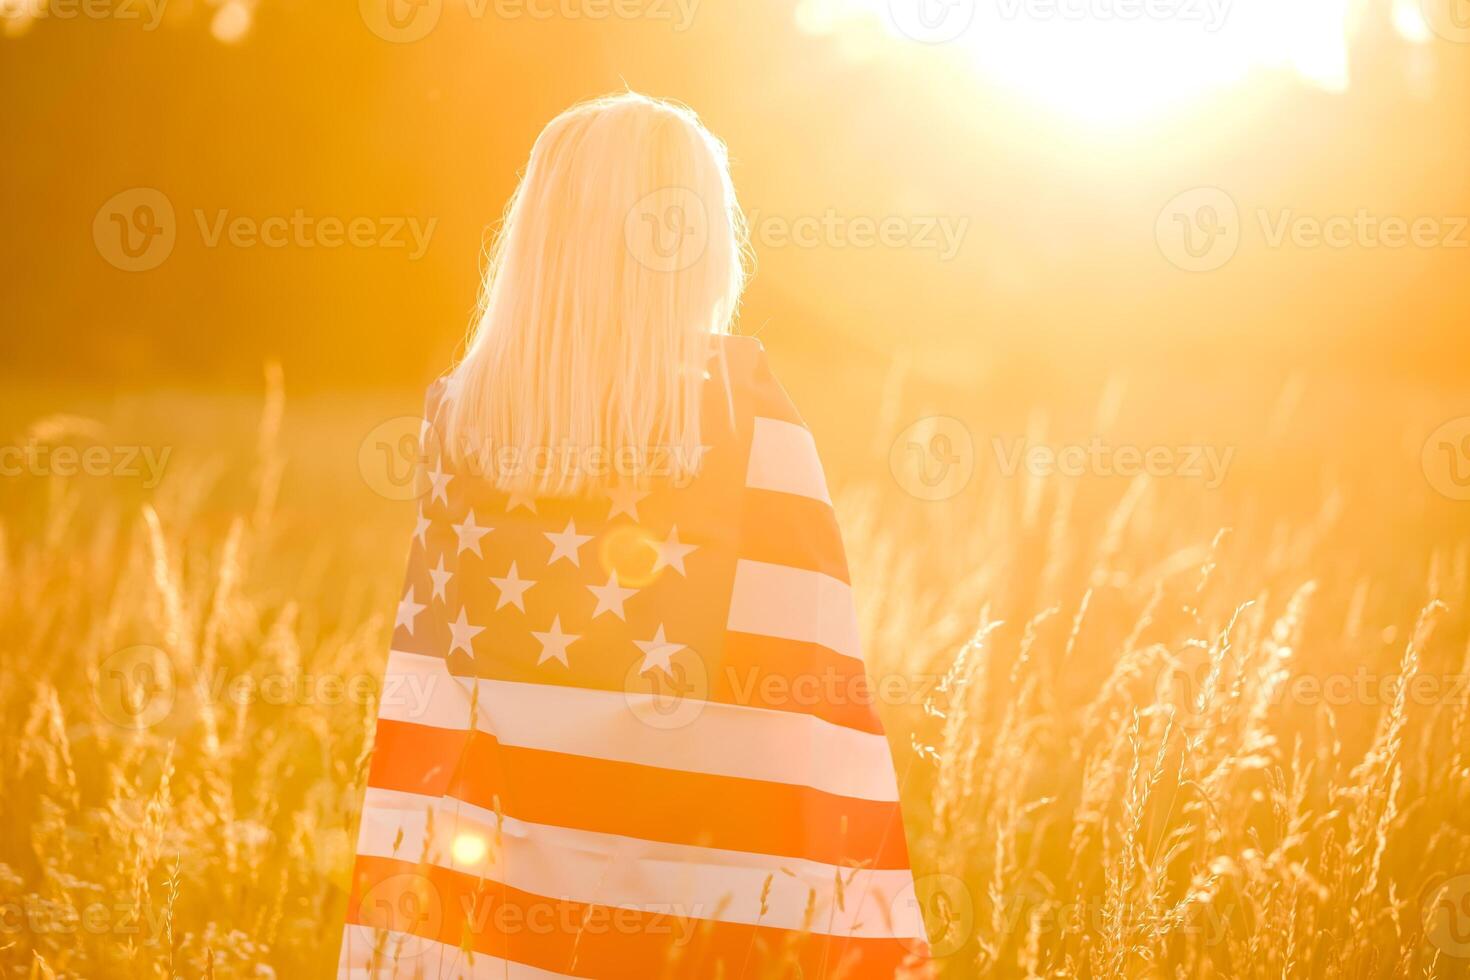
[[625, 728]]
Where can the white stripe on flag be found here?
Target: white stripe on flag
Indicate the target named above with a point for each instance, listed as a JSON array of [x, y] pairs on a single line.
[[745, 742], [679, 881], [783, 457], [420, 957], [794, 604]]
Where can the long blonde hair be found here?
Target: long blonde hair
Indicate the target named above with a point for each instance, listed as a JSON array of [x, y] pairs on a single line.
[[622, 250]]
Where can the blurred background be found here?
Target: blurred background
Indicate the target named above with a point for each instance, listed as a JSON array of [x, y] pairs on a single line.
[[1004, 251], [1048, 135], [1004, 195], [1212, 215]]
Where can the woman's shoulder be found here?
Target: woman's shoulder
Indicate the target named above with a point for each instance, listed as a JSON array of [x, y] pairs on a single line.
[[743, 356], [753, 382], [437, 396]]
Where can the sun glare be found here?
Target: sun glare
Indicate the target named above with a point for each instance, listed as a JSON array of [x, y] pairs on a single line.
[[1115, 60], [468, 848]]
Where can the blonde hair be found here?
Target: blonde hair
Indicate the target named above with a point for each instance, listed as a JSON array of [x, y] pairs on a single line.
[[621, 251]]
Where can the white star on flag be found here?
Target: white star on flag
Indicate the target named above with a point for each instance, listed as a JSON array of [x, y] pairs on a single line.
[[625, 500], [610, 597], [566, 544], [440, 481], [421, 527], [408, 611], [520, 498], [512, 589], [672, 552], [440, 577], [554, 643], [470, 534], [656, 653], [462, 633]]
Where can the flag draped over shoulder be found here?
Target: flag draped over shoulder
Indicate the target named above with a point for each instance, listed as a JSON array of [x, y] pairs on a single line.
[[630, 735]]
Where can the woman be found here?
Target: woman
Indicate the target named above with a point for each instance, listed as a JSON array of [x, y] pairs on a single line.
[[623, 731]]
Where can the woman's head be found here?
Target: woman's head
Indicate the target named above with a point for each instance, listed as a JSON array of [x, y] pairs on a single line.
[[621, 252]]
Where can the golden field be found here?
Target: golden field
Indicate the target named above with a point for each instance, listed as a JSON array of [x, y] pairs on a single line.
[[1145, 727]]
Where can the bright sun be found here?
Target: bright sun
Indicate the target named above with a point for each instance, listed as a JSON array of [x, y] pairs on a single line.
[[1114, 60]]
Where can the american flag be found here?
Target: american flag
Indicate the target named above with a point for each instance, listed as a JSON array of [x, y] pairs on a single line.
[[630, 734]]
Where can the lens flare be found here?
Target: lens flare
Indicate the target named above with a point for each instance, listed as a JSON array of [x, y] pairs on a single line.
[[1112, 60], [468, 849]]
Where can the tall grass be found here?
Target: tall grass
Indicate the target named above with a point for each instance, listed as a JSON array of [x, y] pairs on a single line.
[[1112, 758]]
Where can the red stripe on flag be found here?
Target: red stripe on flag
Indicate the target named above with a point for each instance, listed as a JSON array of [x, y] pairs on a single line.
[[587, 940], [641, 801], [416, 758], [787, 529], [794, 675]]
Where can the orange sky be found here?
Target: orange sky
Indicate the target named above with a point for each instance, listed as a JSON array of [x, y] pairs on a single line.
[[1023, 236]]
